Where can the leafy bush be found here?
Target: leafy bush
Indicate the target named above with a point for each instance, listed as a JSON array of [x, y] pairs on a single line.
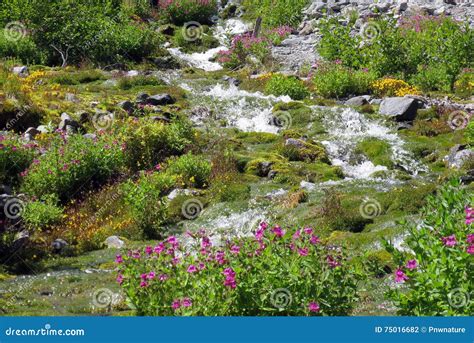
[[126, 83], [146, 203], [242, 47], [75, 78], [470, 133], [201, 43], [277, 12], [72, 164], [401, 48], [333, 80], [191, 170], [147, 142], [432, 78], [15, 157], [40, 215], [464, 85], [277, 272], [183, 11], [287, 85], [438, 273], [24, 49]]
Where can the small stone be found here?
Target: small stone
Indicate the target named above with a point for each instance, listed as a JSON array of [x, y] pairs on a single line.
[[58, 245], [21, 71], [160, 100], [126, 105], [113, 242], [357, 101]]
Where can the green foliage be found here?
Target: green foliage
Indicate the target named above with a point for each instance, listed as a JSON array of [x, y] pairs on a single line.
[[377, 151], [201, 43], [287, 85], [432, 78], [73, 164], [464, 85], [438, 280], [277, 12], [24, 49], [246, 276], [40, 215], [148, 142], [15, 157], [191, 170], [126, 83], [144, 198], [307, 151], [75, 78], [470, 133], [180, 12], [418, 44], [333, 80]]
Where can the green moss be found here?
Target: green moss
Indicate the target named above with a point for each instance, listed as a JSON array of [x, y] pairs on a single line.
[[191, 44], [307, 151], [257, 137], [377, 151]]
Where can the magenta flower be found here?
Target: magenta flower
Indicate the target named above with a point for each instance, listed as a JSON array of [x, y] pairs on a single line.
[[118, 259], [136, 254], [172, 240], [263, 226], [187, 302], [400, 276], [229, 272], [313, 307], [159, 248], [303, 251], [308, 230], [230, 282], [201, 266], [220, 257], [120, 279], [314, 240], [163, 277], [206, 242], [144, 276], [235, 249], [449, 241], [176, 304], [151, 275], [143, 284], [333, 263], [296, 235], [470, 238], [470, 249], [412, 264], [192, 269], [259, 234], [148, 250], [278, 231], [469, 215]]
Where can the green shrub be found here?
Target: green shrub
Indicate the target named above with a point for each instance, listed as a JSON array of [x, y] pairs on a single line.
[[191, 170], [333, 80], [145, 201], [308, 151], [200, 43], [277, 12], [76, 78], [279, 272], [73, 164], [24, 49], [40, 215], [149, 142], [15, 158], [437, 275], [126, 83], [287, 85], [183, 11], [470, 133], [464, 85], [432, 78]]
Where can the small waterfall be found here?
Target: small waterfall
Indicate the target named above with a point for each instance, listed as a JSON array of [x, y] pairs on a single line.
[[346, 128]]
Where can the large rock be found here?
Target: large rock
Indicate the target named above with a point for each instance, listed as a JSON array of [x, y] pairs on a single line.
[[113, 242], [20, 71], [160, 100], [357, 101], [400, 108], [459, 156]]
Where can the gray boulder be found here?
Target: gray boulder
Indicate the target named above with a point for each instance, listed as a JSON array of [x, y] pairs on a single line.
[[126, 105], [399, 108], [58, 245], [357, 101], [160, 100], [20, 71], [263, 168]]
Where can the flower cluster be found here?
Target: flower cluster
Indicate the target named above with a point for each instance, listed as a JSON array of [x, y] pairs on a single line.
[[393, 87], [238, 277]]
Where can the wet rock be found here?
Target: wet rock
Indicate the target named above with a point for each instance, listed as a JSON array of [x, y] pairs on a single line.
[[126, 105], [468, 178], [90, 136], [32, 132], [399, 108], [357, 101], [263, 168], [84, 117], [160, 118], [166, 62], [43, 129], [309, 186], [113, 242], [272, 174], [142, 98], [295, 142], [132, 73], [68, 124], [20, 71], [58, 245], [160, 100], [231, 80], [167, 30]]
